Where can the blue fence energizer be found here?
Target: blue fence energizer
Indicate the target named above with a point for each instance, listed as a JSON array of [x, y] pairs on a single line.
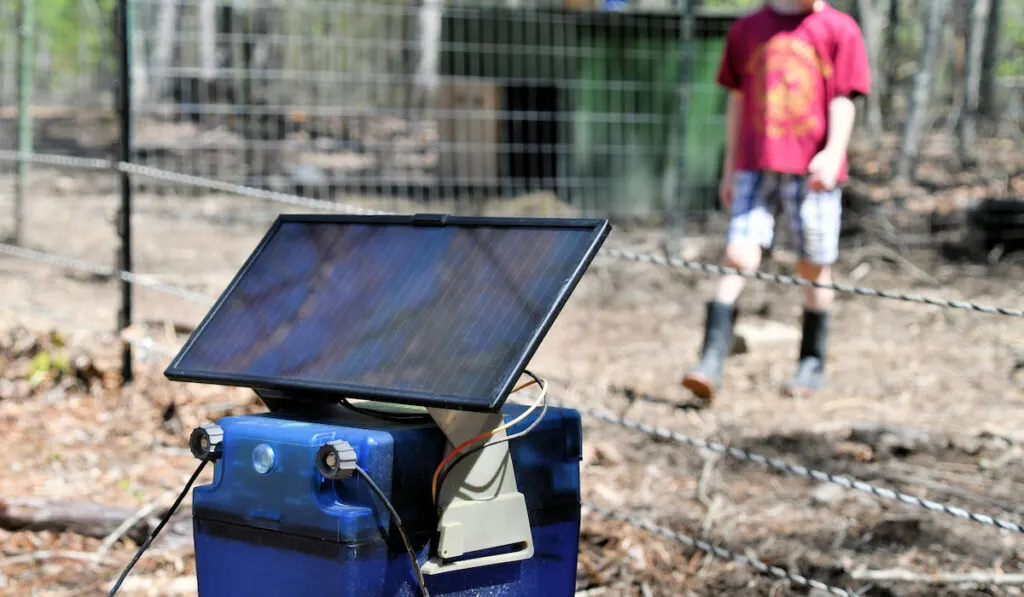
[[389, 462]]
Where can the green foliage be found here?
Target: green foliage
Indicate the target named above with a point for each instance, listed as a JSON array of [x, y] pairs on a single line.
[[49, 362], [1012, 64], [75, 35], [732, 3]]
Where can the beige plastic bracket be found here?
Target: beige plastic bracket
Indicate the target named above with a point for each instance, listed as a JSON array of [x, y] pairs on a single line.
[[481, 506]]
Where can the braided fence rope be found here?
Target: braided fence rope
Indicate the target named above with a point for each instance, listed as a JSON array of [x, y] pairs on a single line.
[[794, 281], [148, 344], [799, 470], [185, 179], [601, 416], [647, 526], [625, 255], [714, 550], [106, 272]]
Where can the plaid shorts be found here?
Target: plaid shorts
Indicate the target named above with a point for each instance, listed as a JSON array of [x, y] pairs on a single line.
[[813, 216]]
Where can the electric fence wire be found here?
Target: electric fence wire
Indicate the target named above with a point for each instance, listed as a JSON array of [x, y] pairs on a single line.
[[803, 471], [72, 162], [105, 272], [145, 171], [714, 550], [661, 432], [296, 200], [793, 281], [650, 527]]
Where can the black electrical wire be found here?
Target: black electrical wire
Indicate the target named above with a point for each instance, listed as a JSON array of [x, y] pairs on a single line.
[[401, 529], [507, 438], [156, 531]]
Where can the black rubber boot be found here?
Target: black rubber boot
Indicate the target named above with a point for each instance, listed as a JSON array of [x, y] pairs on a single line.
[[810, 371], [705, 379]]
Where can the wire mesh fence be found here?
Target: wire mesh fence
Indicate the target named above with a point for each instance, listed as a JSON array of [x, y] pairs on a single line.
[[556, 108], [463, 102], [552, 107]]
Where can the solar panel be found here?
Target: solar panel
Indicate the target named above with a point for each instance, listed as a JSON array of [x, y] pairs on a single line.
[[427, 310]]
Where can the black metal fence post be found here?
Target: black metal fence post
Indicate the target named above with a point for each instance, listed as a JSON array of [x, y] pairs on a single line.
[[124, 220]]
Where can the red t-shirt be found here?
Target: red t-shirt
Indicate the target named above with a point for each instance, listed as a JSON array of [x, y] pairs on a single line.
[[789, 69]]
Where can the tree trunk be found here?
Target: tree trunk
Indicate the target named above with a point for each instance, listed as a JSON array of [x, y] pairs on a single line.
[[921, 96], [961, 11], [891, 62], [872, 22], [207, 41], [987, 98], [163, 51], [139, 60], [967, 129], [9, 49], [429, 64]]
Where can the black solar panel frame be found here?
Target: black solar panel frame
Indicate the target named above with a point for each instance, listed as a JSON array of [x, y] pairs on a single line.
[[308, 392]]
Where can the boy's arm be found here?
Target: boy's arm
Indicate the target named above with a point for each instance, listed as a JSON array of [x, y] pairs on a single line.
[[729, 77], [733, 114], [852, 73], [841, 116], [824, 169]]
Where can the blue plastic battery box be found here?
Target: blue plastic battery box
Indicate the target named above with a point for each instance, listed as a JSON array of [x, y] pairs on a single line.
[[288, 531]]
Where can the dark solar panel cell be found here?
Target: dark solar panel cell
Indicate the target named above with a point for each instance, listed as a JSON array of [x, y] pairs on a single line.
[[442, 315]]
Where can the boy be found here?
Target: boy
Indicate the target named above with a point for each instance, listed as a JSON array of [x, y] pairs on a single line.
[[792, 70]]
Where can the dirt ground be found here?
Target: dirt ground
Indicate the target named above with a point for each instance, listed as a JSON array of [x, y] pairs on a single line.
[[921, 399]]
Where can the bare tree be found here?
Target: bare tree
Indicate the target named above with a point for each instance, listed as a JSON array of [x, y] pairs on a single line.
[[921, 96], [891, 62], [967, 125], [163, 51], [428, 66], [872, 17], [987, 97], [956, 42], [139, 61], [207, 40]]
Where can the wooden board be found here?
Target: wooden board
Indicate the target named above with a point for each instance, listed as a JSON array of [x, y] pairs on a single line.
[[468, 124]]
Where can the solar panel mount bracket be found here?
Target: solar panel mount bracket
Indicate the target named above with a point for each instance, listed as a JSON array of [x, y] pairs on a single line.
[[430, 219], [480, 503]]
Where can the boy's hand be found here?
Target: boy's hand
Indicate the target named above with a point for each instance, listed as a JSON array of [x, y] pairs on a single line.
[[824, 170], [725, 190]]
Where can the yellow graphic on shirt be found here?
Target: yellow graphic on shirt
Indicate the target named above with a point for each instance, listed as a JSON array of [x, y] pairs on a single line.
[[787, 82]]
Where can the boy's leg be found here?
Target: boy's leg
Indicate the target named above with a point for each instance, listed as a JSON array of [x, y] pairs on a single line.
[[751, 229], [815, 219]]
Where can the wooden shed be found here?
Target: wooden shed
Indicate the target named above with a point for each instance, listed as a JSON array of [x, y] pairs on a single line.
[[584, 104]]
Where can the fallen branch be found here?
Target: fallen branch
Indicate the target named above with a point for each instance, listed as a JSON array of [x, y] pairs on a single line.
[[84, 518], [181, 584], [130, 523], [941, 578], [99, 521], [38, 556], [883, 252]]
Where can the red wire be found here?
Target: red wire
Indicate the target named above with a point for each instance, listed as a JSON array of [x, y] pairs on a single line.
[[467, 443]]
